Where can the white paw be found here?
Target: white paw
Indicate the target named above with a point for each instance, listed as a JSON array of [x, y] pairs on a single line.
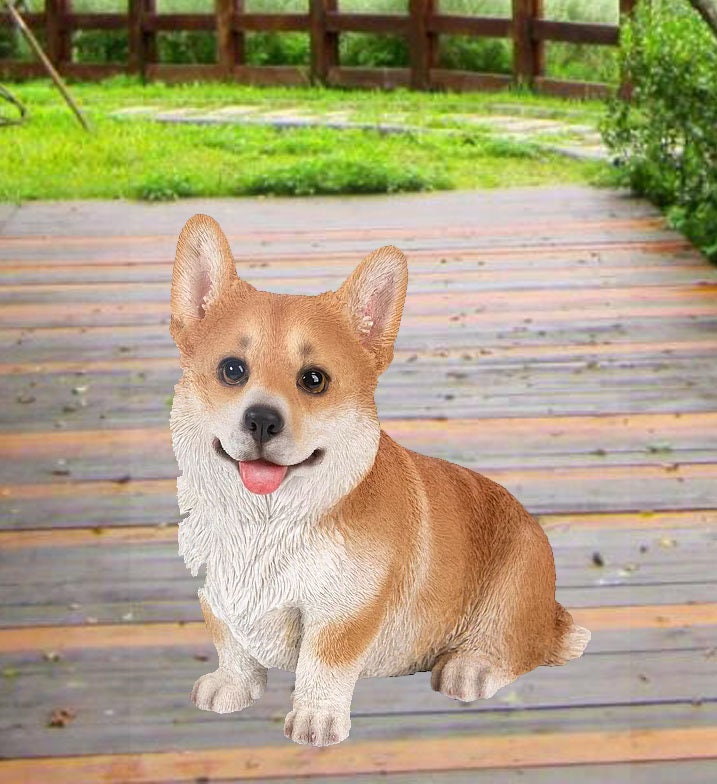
[[317, 727], [467, 678], [221, 692]]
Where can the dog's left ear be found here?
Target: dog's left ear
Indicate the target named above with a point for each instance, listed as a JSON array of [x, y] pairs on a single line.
[[203, 270], [373, 296]]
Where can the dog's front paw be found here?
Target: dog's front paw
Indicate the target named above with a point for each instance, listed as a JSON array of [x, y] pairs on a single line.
[[317, 726], [222, 692]]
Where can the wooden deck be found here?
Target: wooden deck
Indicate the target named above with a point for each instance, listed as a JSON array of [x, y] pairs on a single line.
[[560, 341]]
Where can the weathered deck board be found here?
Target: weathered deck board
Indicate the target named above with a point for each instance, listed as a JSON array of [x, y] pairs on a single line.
[[570, 339]]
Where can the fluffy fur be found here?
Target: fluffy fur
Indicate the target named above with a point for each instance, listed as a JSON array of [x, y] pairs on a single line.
[[372, 560]]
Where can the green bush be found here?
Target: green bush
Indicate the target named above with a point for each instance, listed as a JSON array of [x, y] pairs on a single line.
[[665, 136], [327, 175]]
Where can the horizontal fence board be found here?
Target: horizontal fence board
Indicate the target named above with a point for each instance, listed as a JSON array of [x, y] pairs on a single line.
[[387, 78], [451, 24], [173, 22], [93, 21], [269, 22], [575, 32], [394, 24]]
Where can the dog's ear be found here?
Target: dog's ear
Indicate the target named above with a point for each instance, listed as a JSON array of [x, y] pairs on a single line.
[[373, 296], [203, 270]]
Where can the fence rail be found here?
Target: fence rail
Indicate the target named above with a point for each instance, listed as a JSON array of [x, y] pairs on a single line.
[[324, 22]]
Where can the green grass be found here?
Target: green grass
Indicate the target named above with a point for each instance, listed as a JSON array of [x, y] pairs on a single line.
[[50, 157]]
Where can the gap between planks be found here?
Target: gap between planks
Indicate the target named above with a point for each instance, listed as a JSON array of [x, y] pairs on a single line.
[[105, 636], [138, 534], [372, 757]]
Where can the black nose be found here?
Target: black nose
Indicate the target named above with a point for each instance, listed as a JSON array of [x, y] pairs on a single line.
[[263, 423]]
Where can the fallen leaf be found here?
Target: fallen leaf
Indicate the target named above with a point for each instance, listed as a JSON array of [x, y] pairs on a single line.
[[61, 717]]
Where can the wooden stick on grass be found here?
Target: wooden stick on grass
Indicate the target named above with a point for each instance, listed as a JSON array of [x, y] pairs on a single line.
[[56, 78]]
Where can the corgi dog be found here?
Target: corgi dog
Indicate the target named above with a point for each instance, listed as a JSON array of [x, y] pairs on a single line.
[[330, 550]]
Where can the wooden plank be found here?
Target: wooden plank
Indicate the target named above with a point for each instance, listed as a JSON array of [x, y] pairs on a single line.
[[530, 228], [93, 21], [178, 73], [663, 772], [495, 249], [493, 307], [388, 24], [570, 89], [123, 635], [374, 757], [576, 32], [270, 22], [289, 75], [164, 677], [145, 580], [133, 501], [448, 359], [154, 22], [384, 78], [137, 394], [451, 24], [465, 81], [492, 439], [646, 521]]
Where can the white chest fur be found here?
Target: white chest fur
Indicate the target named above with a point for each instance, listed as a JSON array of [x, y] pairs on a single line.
[[261, 575]]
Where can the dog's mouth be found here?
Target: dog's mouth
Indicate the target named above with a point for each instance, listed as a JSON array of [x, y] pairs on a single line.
[[262, 476]]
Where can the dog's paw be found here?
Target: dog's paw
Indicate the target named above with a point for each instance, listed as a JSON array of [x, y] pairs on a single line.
[[467, 678], [222, 692], [317, 726]]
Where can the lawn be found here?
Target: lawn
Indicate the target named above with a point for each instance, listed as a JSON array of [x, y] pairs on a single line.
[[51, 157]]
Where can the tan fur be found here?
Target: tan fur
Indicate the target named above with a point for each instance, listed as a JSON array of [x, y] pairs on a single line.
[[420, 564]]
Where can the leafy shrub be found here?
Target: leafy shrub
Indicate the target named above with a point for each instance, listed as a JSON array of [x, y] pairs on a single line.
[[326, 175], [164, 187], [665, 135]]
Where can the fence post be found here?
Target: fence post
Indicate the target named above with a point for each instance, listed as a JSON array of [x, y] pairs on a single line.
[[422, 43], [142, 43], [230, 42], [528, 54], [324, 44], [59, 45]]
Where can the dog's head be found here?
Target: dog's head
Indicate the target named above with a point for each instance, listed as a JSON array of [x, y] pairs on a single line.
[[277, 393]]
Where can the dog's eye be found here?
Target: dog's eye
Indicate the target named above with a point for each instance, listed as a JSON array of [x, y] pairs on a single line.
[[232, 371], [314, 381]]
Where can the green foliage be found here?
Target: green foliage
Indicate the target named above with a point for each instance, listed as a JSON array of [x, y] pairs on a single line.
[[344, 174], [665, 136]]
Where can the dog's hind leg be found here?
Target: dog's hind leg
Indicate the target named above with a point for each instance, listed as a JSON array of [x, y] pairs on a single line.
[[239, 680], [468, 675]]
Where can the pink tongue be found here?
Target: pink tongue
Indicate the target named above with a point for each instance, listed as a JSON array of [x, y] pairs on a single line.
[[261, 476]]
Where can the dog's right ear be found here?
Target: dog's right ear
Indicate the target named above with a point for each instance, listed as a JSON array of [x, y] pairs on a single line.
[[203, 270]]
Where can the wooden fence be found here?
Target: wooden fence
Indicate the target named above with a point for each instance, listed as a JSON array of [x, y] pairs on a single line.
[[324, 23]]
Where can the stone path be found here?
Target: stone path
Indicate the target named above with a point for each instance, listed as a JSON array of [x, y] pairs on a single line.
[[576, 139]]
